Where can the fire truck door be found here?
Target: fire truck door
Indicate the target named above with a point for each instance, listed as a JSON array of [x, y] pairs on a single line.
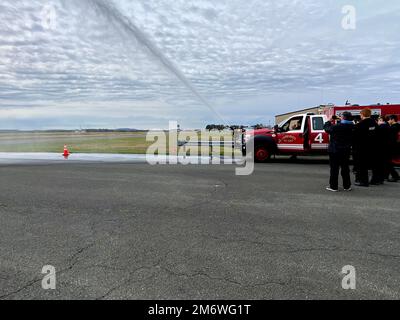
[[291, 137], [319, 139]]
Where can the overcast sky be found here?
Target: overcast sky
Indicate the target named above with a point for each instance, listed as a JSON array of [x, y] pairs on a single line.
[[66, 64]]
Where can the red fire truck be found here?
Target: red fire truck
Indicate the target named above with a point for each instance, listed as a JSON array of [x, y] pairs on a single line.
[[303, 134]]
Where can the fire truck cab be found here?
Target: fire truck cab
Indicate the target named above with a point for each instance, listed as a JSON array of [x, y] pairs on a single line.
[[304, 134], [300, 134]]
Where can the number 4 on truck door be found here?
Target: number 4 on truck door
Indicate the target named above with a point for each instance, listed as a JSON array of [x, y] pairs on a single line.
[[319, 139]]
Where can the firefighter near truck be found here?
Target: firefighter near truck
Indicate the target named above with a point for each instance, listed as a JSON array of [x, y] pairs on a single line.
[[304, 134]]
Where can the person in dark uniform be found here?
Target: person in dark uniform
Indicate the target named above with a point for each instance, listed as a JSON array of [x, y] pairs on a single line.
[[383, 157], [341, 140], [366, 149], [394, 147]]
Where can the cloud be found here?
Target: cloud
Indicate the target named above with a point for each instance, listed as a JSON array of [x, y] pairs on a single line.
[[250, 60]]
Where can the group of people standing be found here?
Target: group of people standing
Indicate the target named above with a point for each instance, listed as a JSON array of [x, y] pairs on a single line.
[[373, 145]]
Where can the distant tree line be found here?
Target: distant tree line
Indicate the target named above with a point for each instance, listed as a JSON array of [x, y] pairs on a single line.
[[221, 127], [260, 126], [218, 127], [114, 130]]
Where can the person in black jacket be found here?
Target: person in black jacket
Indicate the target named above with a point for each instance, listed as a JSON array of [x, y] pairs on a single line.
[[341, 140], [384, 156], [366, 149], [394, 146]]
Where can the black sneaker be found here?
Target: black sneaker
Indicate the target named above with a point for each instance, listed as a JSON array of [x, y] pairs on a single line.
[[393, 180], [359, 184]]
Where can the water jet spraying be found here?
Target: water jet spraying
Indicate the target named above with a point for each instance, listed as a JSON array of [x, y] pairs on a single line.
[[107, 9]]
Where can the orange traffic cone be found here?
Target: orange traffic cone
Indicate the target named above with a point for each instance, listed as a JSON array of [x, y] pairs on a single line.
[[66, 153]]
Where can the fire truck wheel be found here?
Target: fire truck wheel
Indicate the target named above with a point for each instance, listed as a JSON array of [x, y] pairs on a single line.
[[262, 154]]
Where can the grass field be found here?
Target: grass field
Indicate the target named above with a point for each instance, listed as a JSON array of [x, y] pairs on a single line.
[[82, 142]]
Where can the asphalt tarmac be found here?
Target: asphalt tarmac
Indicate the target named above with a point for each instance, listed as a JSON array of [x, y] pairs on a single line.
[[135, 231]]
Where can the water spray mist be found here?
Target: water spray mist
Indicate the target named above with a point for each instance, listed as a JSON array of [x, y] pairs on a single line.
[[114, 15]]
